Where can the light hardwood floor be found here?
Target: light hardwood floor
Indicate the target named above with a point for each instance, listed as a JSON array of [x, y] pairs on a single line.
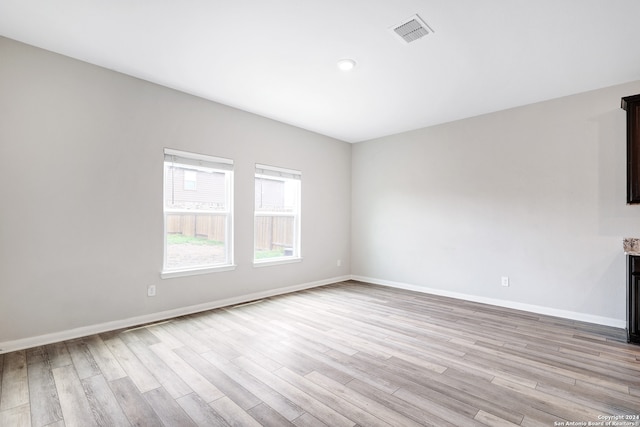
[[340, 355]]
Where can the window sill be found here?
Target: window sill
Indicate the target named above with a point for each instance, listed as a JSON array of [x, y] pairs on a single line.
[[277, 261], [196, 271]]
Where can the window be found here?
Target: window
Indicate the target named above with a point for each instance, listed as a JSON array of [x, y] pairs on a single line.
[[197, 218], [277, 214], [190, 179]]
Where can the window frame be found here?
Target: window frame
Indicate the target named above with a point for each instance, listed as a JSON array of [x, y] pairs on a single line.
[[280, 174], [219, 165]]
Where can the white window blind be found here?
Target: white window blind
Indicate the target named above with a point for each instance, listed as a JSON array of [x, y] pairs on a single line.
[[278, 172], [198, 160]]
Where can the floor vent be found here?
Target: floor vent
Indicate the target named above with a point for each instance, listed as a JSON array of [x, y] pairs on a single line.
[[412, 29], [244, 304]]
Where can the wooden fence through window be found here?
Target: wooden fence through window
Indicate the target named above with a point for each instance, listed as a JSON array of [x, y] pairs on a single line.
[[271, 232], [209, 226]]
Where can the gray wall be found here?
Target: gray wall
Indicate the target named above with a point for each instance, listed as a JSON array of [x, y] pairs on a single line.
[[535, 193], [81, 152]]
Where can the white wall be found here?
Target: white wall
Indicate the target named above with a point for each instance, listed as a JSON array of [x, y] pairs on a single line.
[[535, 193], [81, 161]]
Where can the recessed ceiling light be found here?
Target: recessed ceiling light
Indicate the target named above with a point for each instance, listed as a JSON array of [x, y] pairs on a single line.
[[346, 64]]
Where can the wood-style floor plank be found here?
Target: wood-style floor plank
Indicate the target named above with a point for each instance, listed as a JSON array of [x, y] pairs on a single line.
[[166, 376], [240, 395], [74, 402], [200, 412], [45, 403], [82, 359], [135, 370], [18, 416], [308, 420], [331, 400], [107, 362], [348, 354], [106, 409], [198, 383], [169, 411], [313, 406], [133, 404], [267, 417], [266, 394], [375, 408], [58, 355], [15, 384], [398, 405], [234, 415]]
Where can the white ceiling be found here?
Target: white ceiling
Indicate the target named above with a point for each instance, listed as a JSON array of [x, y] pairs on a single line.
[[278, 58]]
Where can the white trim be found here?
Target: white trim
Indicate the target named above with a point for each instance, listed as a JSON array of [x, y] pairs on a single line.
[[24, 343], [548, 311], [276, 261], [195, 271]]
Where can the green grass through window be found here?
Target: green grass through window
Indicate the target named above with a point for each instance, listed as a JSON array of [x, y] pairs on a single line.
[[269, 254], [180, 239]]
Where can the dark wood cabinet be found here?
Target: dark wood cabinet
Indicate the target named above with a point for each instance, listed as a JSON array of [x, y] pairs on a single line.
[[633, 299], [631, 104]]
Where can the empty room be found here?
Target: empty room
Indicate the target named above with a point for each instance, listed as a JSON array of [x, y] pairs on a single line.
[[408, 213]]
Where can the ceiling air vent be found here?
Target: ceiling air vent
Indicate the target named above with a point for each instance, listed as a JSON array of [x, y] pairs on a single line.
[[411, 29]]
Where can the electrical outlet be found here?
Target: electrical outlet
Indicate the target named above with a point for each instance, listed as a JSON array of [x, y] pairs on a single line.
[[339, 263], [151, 290], [505, 281]]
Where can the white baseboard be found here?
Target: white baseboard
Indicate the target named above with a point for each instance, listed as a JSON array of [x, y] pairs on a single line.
[[565, 314], [21, 344]]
